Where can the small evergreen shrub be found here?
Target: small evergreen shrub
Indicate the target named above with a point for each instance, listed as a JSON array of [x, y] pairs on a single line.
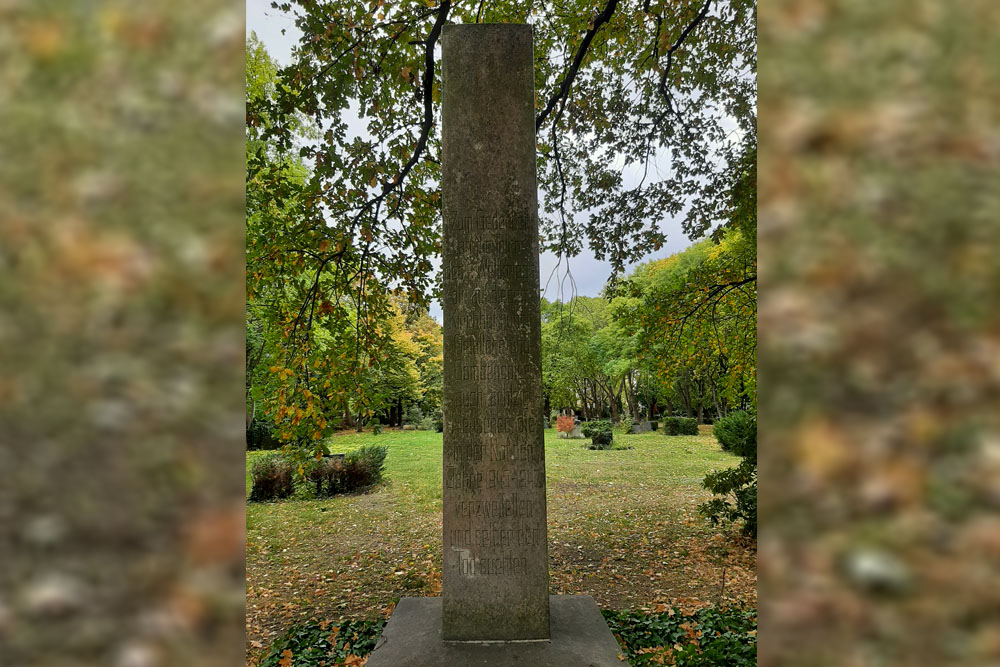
[[627, 423], [426, 424], [271, 476], [413, 415], [261, 436], [680, 426], [439, 424], [737, 433], [600, 433]]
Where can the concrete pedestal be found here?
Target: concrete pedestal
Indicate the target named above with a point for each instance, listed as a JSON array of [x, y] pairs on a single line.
[[579, 638]]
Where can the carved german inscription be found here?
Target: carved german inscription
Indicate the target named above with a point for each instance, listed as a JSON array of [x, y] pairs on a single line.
[[495, 555]]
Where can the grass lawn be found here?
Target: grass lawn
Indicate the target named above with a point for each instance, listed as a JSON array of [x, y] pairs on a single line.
[[623, 527]]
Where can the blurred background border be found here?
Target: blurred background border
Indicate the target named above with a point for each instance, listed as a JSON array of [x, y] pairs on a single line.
[[879, 330], [121, 333]]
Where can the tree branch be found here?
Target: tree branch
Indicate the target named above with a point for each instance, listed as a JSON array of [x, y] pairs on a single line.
[[581, 52]]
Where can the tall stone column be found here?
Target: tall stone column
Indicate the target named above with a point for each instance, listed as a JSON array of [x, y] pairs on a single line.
[[495, 580]]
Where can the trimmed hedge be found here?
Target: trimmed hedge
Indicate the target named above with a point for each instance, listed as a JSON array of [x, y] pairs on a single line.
[[680, 426]]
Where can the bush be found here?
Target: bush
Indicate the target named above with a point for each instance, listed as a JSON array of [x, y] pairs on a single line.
[[565, 423], [371, 458], [261, 436], [413, 415], [439, 424], [376, 426], [359, 469], [680, 426], [736, 486], [738, 490], [737, 433], [626, 423], [426, 424], [272, 478], [600, 433]]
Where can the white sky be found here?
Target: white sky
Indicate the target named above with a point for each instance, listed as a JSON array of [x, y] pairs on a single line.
[[588, 273]]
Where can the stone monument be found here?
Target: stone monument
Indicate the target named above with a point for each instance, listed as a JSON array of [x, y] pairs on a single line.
[[495, 607]]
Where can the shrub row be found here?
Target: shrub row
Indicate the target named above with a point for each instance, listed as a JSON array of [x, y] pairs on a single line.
[[274, 477], [680, 426]]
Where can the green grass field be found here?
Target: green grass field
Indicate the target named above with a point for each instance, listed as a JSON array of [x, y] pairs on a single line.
[[623, 527]]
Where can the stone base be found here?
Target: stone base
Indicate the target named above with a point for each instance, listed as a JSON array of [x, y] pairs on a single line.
[[580, 638]]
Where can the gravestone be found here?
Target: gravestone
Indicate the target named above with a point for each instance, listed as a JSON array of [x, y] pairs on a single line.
[[495, 607]]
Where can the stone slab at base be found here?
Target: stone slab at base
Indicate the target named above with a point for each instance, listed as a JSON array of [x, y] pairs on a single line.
[[580, 638]]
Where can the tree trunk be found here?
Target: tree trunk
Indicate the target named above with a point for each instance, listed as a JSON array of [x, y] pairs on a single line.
[[633, 402], [686, 397]]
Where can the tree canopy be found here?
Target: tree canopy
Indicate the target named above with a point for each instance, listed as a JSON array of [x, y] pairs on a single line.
[[645, 111]]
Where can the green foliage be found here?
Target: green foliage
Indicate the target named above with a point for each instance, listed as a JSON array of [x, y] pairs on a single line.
[[694, 315], [634, 94], [737, 433], [600, 433], [271, 476], [736, 486], [370, 459], [709, 637], [679, 426], [358, 470], [413, 415], [317, 643], [627, 423]]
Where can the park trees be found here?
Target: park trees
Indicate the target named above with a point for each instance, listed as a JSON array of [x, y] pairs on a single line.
[[641, 110], [327, 347], [694, 314]]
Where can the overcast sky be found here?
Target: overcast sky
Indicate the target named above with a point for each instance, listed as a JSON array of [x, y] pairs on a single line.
[[588, 273]]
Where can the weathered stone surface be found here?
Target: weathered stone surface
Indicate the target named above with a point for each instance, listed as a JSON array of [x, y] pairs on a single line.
[[580, 638], [495, 579]]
